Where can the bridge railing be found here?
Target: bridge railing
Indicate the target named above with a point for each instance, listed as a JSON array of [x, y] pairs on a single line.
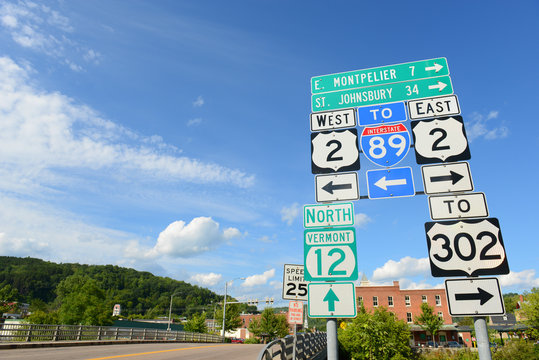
[[35, 332], [308, 346]]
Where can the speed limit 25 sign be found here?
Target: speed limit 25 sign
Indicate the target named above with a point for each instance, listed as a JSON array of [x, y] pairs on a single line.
[[334, 151], [440, 140], [466, 247], [294, 284]]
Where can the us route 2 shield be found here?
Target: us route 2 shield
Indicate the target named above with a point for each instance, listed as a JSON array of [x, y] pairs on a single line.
[[334, 151]]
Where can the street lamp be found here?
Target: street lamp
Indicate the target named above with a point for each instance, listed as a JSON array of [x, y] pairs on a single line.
[[224, 304], [170, 310]]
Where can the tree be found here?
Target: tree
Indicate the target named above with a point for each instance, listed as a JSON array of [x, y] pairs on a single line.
[[379, 335], [270, 324], [429, 321], [510, 301], [8, 299], [530, 310], [233, 320], [197, 323], [82, 301]]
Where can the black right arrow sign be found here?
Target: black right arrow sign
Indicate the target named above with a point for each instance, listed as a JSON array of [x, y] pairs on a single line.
[[453, 177], [481, 295]]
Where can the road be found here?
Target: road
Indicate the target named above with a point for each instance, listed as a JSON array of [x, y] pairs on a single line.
[[161, 351]]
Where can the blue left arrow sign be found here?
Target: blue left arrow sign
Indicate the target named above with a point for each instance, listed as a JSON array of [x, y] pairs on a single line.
[[390, 183]]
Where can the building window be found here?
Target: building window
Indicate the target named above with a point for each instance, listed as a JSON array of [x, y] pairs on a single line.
[[407, 301], [440, 314], [424, 298], [360, 300], [375, 301], [438, 300], [390, 300], [409, 317]]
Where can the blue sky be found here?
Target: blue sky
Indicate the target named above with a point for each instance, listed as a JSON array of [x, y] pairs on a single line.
[[173, 136]]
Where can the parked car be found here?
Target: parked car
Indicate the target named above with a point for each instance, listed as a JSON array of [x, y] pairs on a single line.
[[453, 344], [433, 344], [237, 340]]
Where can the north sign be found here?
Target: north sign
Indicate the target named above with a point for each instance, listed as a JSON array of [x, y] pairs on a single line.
[[294, 284], [379, 114], [379, 75], [446, 178], [474, 297], [382, 94], [466, 248], [458, 206], [332, 300], [334, 151], [385, 145], [390, 183], [440, 140], [339, 214], [329, 120], [330, 254], [336, 187], [433, 107]]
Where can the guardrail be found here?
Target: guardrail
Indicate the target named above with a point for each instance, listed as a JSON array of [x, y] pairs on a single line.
[[35, 332], [308, 346]]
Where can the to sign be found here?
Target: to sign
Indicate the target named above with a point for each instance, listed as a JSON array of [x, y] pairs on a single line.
[[440, 140], [390, 183], [329, 120], [377, 114], [445, 178], [474, 297], [330, 254], [295, 312], [332, 300], [336, 187], [294, 284], [433, 107], [379, 75], [341, 214], [382, 94], [458, 206], [466, 247], [385, 145], [334, 151]]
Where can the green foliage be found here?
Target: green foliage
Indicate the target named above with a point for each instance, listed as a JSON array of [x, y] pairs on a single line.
[[252, 341], [516, 349], [530, 310], [8, 295], [197, 323], [43, 317], [444, 354], [270, 324], [375, 336], [233, 320], [510, 301], [428, 320], [139, 293]]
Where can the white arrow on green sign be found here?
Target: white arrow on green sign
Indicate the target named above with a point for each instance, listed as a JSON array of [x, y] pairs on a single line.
[[379, 75], [382, 94]]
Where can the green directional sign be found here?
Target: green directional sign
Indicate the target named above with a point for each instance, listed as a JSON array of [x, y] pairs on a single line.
[[382, 94], [332, 300], [380, 75]]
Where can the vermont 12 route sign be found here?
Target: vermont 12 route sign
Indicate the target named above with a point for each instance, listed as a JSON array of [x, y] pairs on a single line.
[[466, 248]]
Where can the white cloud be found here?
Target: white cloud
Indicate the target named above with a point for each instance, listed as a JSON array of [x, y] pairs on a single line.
[[259, 279], [524, 280], [193, 122], [289, 214], [198, 102], [201, 235], [479, 125], [210, 279], [43, 133], [361, 220], [407, 266]]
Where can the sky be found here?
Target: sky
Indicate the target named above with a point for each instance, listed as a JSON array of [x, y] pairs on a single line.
[[173, 136]]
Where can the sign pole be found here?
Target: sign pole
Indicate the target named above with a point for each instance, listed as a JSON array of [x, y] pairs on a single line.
[[332, 342], [481, 334], [295, 343]]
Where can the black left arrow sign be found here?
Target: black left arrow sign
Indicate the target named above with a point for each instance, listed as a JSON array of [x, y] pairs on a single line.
[[481, 295], [329, 187]]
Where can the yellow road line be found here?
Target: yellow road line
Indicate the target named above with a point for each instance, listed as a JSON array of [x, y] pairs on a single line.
[[156, 352]]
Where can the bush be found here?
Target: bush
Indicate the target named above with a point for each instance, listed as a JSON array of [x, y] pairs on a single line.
[[443, 354], [252, 341], [517, 349]]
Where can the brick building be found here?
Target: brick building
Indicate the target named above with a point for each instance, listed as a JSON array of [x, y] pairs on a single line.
[[406, 305]]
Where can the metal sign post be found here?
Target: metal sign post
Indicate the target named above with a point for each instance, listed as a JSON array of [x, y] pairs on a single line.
[[333, 344], [481, 334]]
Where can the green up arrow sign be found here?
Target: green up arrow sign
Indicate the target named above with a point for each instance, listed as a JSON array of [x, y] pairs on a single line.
[[380, 75], [382, 94]]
